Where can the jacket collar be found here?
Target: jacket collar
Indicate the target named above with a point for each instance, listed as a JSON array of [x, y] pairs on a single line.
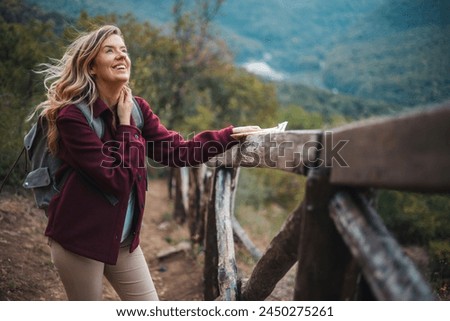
[[99, 107]]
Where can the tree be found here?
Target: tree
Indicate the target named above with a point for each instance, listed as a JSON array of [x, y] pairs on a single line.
[[25, 43]]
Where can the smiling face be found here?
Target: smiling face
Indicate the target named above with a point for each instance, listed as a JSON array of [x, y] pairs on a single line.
[[112, 65]]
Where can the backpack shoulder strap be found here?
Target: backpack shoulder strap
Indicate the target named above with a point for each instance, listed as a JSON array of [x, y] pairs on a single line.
[[12, 168], [137, 115], [96, 123]]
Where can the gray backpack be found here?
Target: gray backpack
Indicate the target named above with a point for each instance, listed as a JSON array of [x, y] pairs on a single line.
[[41, 179]]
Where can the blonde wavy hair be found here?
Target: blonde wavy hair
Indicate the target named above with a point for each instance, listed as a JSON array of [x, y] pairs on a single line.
[[68, 80]]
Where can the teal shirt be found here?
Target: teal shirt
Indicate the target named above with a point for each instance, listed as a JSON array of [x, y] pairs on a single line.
[[128, 217]]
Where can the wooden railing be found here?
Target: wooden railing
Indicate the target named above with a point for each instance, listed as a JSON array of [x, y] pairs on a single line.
[[342, 247]]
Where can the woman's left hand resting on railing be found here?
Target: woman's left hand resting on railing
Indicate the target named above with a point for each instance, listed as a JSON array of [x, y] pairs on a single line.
[[242, 131]]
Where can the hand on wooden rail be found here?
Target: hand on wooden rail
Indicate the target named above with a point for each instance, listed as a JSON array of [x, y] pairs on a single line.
[[243, 131]]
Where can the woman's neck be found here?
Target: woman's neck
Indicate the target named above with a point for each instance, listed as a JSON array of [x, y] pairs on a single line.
[[109, 99], [109, 95]]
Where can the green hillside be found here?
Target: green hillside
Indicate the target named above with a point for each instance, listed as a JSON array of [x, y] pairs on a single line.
[[288, 30], [399, 55], [330, 104], [390, 51]]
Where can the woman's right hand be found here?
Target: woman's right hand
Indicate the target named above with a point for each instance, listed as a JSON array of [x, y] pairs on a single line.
[[243, 131], [124, 106]]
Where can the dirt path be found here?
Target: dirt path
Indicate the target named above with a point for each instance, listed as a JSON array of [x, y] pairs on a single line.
[[26, 271]]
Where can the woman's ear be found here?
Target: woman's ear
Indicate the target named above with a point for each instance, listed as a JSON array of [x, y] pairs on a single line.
[[91, 70]]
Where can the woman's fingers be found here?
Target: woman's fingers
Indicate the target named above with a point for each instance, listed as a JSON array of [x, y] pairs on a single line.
[[245, 129], [242, 131], [124, 106]]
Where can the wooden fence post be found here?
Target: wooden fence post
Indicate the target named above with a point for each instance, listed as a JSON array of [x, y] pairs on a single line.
[[196, 189], [227, 271], [179, 211], [220, 272], [326, 270], [206, 177], [210, 279]]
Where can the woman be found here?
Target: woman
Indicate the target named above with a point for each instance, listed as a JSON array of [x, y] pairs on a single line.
[[90, 237]]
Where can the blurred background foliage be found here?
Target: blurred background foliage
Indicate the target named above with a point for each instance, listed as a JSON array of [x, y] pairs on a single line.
[[188, 75]]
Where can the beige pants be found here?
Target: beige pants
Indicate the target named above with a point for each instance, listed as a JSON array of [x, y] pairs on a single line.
[[83, 278]]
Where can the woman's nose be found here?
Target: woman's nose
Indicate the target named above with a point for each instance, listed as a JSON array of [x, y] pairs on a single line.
[[121, 55]]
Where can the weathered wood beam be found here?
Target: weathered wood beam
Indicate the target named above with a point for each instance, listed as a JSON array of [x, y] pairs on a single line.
[[411, 152], [227, 270], [389, 272], [242, 236], [291, 151], [276, 261], [238, 231]]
